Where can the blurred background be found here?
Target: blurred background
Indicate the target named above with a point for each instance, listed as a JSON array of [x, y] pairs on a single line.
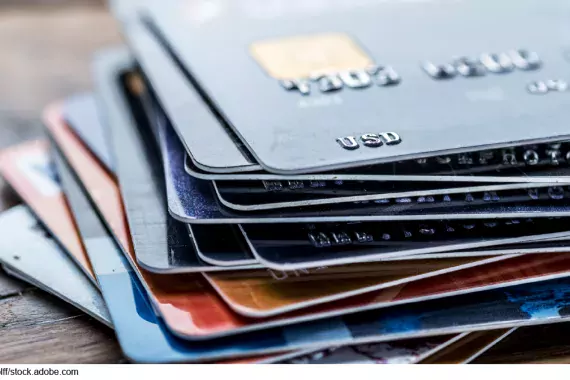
[[45, 51]]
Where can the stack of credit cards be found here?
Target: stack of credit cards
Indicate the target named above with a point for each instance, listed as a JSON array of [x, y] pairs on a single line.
[[303, 181]]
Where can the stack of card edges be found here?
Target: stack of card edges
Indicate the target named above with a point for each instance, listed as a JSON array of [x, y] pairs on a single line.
[[308, 181]]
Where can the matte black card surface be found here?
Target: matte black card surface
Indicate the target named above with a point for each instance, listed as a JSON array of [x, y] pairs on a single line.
[[221, 245], [318, 89], [271, 195], [314, 245]]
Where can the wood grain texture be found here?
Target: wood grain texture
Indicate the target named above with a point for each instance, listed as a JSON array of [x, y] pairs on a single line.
[[11, 287], [79, 340], [39, 328], [49, 45]]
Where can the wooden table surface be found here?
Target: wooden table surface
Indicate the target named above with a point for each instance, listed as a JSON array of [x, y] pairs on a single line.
[[46, 51]]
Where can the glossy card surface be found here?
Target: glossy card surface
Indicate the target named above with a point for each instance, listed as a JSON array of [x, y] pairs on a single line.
[[155, 57], [32, 254], [27, 168], [311, 76], [539, 271]]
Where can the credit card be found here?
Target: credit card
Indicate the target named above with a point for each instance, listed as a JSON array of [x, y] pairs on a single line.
[[203, 206], [311, 77], [250, 292], [351, 280], [272, 195], [221, 245], [154, 57], [513, 306], [27, 168], [28, 251], [511, 271], [195, 121], [313, 245], [231, 246], [370, 174], [82, 115], [171, 278], [211, 346], [473, 281], [181, 255], [217, 251]]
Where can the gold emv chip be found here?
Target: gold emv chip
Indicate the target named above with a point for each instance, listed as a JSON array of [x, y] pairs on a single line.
[[304, 56]]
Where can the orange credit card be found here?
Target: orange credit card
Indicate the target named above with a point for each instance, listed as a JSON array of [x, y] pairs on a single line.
[[27, 168]]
